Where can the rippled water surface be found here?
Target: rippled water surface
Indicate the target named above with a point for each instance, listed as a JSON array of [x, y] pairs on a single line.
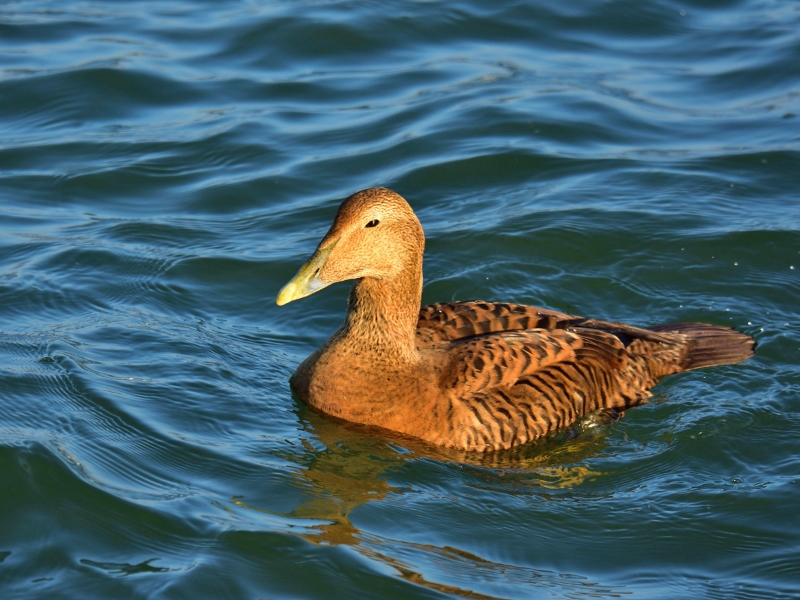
[[165, 167]]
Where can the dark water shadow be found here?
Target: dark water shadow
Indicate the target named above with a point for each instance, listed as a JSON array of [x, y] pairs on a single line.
[[344, 466]]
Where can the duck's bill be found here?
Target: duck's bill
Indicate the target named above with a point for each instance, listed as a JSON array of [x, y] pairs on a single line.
[[307, 280]]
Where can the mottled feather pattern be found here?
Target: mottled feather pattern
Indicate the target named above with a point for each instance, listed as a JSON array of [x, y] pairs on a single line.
[[500, 359], [515, 384], [443, 322]]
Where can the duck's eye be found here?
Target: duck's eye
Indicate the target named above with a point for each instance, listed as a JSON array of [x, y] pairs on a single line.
[[373, 223]]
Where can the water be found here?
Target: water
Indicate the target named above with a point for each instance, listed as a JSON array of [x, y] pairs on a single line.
[[165, 167]]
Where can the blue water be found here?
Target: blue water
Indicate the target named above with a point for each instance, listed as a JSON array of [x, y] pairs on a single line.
[[165, 167]]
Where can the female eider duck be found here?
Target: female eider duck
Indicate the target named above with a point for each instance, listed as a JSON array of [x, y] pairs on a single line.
[[470, 375]]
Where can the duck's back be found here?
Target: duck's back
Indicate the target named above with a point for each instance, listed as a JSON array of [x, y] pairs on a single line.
[[517, 372]]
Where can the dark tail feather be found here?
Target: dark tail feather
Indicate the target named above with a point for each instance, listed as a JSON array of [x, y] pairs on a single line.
[[711, 345]]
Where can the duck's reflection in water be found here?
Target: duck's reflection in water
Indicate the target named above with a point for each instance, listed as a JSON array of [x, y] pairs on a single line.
[[344, 466]]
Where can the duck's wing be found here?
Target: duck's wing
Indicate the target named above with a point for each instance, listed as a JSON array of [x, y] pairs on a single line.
[[513, 373], [509, 388], [483, 362], [445, 322]]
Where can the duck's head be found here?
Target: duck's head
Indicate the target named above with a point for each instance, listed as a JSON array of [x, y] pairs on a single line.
[[375, 234]]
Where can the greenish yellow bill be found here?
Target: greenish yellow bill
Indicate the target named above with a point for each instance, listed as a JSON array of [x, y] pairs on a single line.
[[307, 280]]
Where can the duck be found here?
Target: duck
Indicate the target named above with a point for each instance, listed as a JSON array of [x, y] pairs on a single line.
[[474, 376]]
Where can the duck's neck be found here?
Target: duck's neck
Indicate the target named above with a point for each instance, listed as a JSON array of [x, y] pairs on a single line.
[[382, 316]]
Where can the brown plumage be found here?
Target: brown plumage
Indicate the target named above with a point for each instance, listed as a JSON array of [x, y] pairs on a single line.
[[470, 375]]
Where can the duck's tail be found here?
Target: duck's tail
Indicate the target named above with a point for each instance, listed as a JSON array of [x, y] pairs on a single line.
[[710, 345]]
